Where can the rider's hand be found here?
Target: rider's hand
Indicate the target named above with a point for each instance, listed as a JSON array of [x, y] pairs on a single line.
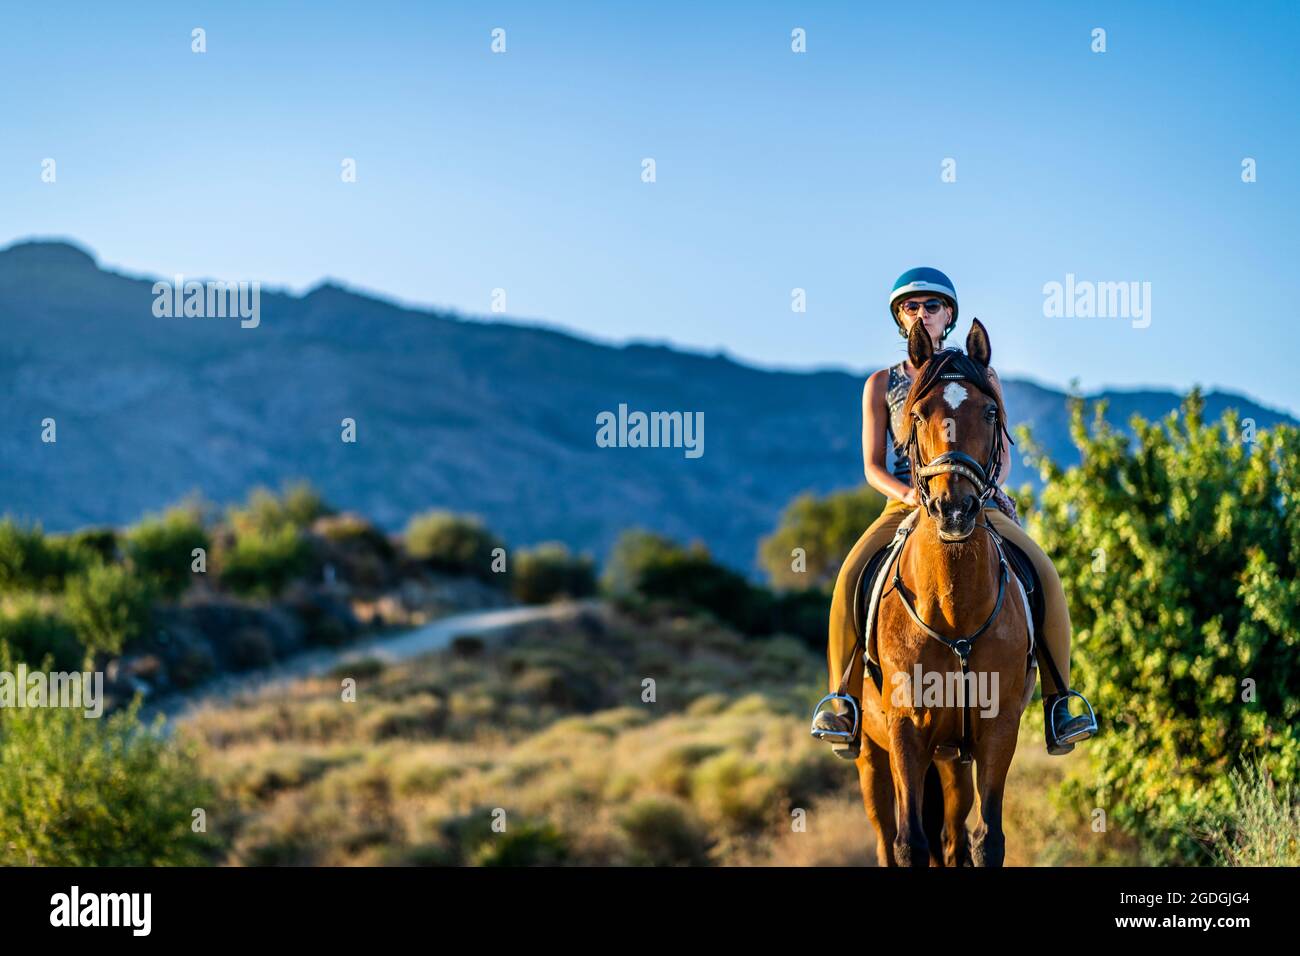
[[911, 499]]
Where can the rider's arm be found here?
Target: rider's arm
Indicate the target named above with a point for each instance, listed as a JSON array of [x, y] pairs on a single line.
[[875, 415], [1006, 448]]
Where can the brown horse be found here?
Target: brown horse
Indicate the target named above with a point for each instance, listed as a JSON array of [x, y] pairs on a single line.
[[948, 592]]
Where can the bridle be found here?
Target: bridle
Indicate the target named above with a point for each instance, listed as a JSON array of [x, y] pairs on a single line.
[[983, 477]]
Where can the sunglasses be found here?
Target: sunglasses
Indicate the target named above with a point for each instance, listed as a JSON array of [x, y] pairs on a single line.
[[932, 306]]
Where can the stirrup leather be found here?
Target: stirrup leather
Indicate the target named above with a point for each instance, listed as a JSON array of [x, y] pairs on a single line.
[[1083, 733], [837, 735]]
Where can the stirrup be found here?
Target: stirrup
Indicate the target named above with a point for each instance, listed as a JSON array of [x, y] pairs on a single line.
[[1083, 733], [839, 736]]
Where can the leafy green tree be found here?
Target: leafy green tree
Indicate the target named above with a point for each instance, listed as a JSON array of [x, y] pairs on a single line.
[[161, 548], [550, 571], [108, 606], [826, 529], [1179, 549], [453, 543]]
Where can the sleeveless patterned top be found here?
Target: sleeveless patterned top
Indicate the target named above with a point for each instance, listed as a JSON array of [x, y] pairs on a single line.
[[895, 395]]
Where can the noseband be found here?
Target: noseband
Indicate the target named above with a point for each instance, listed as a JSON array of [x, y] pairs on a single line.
[[983, 477]]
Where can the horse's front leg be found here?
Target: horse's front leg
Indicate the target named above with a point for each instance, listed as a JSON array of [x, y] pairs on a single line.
[[993, 753], [908, 761], [958, 798], [878, 798]]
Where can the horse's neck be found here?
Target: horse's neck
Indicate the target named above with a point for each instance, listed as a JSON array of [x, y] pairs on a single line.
[[949, 579]]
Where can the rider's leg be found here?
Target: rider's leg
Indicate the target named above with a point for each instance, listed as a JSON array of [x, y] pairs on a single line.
[[842, 636], [1056, 614], [1062, 728]]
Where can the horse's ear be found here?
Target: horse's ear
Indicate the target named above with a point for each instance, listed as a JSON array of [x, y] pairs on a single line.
[[977, 343], [919, 345]]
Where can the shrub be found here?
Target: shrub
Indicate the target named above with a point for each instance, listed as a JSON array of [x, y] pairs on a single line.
[[96, 792], [161, 549], [262, 564], [549, 572], [659, 569], [354, 531], [1179, 550], [98, 541], [108, 606], [471, 839], [1262, 826], [452, 543], [33, 630], [524, 844], [267, 513], [327, 621], [29, 561], [249, 648], [663, 832], [361, 554], [826, 529]]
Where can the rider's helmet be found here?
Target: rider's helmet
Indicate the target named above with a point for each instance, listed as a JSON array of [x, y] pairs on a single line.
[[918, 281]]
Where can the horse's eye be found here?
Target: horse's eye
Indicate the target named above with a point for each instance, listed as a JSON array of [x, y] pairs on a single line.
[[992, 414]]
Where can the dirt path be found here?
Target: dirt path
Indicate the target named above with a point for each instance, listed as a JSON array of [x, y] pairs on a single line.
[[388, 648]]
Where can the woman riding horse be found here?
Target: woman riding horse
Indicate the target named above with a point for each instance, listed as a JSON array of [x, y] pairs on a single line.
[[928, 296]]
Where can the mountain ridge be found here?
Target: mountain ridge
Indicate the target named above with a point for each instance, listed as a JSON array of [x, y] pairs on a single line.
[[494, 417]]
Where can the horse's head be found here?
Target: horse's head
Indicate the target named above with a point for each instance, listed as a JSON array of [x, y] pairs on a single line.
[[957, 420]]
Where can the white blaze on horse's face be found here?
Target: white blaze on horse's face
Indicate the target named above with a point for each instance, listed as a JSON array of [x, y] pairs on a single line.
[[954, 393]]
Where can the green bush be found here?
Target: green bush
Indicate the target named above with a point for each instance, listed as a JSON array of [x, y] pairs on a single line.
[[99, 541], [267, 514], [826, 529], [354, 531], [454, 544], [470, 839], [78, 791], [549, 572], [161, 549], [524, 844], [30, 561], [1179, 550], [108, 606], [656, 568], [262, 564], [34, 631]]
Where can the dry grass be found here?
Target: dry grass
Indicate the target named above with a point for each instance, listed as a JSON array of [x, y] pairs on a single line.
[[549, 733]]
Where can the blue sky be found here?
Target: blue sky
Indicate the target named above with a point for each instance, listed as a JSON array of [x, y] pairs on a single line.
[[775, 170]]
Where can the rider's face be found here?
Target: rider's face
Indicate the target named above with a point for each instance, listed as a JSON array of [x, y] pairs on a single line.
[[934, 324]]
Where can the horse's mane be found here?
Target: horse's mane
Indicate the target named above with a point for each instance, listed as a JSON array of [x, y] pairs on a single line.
[[954, 364]]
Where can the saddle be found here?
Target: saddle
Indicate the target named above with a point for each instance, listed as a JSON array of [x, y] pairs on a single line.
[[873, 581]]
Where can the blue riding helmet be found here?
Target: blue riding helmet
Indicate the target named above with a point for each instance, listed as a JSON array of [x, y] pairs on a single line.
[[918, 281]]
